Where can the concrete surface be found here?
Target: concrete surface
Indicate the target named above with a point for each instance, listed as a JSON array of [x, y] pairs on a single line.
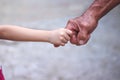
[[97, 60]]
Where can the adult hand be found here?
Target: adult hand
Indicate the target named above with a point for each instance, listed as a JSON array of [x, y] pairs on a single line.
[[81, 27]]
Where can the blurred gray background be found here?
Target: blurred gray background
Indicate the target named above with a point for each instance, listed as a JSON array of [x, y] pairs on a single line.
[[99, 59]]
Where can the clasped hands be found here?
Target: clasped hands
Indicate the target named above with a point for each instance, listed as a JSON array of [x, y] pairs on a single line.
[[81, 28]]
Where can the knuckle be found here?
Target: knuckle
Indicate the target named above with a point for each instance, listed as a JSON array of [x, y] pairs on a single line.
[[61, 38], [70, 20], [62, 34], [83, 35]]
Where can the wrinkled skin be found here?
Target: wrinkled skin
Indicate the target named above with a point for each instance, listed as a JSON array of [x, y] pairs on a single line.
[[82, 27]]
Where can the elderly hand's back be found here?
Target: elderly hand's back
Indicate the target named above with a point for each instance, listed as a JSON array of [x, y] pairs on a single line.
[[82, 27]]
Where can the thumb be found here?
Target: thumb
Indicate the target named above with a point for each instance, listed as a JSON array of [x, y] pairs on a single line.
[[81, 37]]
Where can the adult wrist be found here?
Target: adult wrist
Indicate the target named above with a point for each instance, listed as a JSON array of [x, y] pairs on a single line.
[[92, 14]]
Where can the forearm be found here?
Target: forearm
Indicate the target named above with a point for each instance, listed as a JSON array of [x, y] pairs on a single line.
[[101, 7], [95, 12], [84, 25], [23, 34]]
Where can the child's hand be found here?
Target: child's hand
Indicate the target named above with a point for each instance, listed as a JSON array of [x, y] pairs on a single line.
[[60, 37]]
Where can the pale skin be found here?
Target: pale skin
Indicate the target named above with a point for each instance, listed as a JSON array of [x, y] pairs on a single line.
[[17, 33], [84, 25]]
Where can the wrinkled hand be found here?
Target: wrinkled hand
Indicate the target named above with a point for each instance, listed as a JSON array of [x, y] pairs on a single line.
[[81, 27]]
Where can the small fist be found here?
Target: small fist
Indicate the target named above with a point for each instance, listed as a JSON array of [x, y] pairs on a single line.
[[60, 37]]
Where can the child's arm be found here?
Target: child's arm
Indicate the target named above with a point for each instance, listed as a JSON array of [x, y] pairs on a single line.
[[16, 33]]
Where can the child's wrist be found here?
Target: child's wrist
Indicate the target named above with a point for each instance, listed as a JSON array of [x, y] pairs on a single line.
[[49, 39]]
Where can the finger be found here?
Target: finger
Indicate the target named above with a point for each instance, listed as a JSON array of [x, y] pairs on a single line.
[[69, 32], [69, 24], [73, 39], [56, 45], [72, 25], [63, 39], [81, 36], [82, 42], [62, 44], [66, 36]]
